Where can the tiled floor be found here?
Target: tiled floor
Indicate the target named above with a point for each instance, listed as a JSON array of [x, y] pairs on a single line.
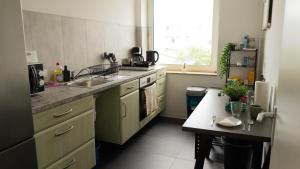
[[160, 145]]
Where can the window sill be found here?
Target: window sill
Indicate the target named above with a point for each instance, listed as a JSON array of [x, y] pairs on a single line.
[[192, 73]]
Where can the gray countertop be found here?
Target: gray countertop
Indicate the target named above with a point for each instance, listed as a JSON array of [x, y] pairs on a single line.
[[56, 96]]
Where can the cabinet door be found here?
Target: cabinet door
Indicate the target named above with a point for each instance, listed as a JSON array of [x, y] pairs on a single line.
[[161, 86], [58, 141], [129, 115]]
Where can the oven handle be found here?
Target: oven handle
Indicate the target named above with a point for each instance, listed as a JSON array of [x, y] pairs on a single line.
[[142, 88]]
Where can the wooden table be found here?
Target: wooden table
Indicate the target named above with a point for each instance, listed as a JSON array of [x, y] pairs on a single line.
[[200, 123]]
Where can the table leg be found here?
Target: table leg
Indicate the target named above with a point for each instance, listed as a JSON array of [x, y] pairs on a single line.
[[203, 145], [257, 155]]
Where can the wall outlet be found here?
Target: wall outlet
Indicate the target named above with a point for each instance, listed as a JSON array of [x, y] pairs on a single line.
[[31, 56]]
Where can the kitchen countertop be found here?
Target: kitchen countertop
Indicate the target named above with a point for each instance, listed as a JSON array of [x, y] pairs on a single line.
[[55, 96]]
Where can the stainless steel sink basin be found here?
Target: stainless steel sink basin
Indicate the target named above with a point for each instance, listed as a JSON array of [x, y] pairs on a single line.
[[96, 80], [89, 83]]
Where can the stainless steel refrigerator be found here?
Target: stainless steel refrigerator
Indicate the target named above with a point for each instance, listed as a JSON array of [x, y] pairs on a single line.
[[17, 146]]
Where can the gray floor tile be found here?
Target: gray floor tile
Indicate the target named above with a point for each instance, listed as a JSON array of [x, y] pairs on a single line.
[[160, 145], [182, 164]]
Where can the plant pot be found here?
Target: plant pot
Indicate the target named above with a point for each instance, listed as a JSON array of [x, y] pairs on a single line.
[[234, 99]]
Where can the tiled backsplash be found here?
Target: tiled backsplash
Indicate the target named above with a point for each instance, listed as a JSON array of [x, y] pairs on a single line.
[[75, 42]]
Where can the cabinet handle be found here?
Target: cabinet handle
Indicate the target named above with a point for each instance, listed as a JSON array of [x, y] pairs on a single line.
[[63, 114], [125, 111], [70, 163], [131, 87], [64, 132]]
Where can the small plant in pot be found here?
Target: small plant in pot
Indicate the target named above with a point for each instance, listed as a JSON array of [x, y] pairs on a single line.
[[235, 91]]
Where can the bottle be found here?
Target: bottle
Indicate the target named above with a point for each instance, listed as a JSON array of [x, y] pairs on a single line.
[[251, 77], [58, 75], [66, 74], [245, 41]]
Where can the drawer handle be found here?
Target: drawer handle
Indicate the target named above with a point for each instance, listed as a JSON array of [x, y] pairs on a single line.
[[70, 163], [64, 132], [131, 87], [125, 112], [63, 114]]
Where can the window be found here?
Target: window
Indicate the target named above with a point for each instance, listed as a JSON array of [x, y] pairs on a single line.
[[183, 33]]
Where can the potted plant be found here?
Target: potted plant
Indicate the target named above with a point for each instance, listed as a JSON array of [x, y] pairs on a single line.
[[235, 91], [225, 55]]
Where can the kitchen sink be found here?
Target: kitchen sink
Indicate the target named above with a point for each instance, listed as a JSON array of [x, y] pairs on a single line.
[[95, 80], [89, 82]]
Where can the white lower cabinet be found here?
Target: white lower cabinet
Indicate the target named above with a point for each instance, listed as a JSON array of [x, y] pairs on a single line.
[[81, 158], [69, 143], [118, 113]]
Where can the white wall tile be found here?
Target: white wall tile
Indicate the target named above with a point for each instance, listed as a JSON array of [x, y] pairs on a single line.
[[47, 38], [27, 30], [74, 43], [95, 42]]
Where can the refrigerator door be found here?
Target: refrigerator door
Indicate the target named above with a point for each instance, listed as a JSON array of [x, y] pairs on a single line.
[[21, 156], [15, 108]]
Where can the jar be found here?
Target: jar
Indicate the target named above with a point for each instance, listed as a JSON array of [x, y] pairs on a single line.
[[251, 43]]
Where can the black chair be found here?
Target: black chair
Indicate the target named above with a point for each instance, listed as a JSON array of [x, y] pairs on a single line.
[[237, 154]]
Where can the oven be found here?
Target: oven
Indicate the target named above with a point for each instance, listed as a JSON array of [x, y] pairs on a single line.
[[144, 83]]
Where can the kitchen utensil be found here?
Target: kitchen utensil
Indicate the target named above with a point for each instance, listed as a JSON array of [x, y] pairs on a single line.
[[214, 117], [150, 56], [244, 126], [230, 122], [250, 122]]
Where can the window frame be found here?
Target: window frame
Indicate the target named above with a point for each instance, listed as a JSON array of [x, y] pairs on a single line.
[[212, 68]]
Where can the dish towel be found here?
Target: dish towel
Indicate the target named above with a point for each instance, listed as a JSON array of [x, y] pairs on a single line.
[[151, 101]]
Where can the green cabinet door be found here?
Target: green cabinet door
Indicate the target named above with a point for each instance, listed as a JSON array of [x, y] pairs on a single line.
[[129, 115]]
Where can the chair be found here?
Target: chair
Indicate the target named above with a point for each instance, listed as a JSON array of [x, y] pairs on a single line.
[[237, 154]]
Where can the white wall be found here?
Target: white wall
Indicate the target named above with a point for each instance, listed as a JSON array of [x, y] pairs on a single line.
[[237, 18], [111, 11], [273, 42], [286, 148], [77, 32]]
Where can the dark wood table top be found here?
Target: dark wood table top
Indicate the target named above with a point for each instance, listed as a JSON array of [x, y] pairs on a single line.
[[212, 104]]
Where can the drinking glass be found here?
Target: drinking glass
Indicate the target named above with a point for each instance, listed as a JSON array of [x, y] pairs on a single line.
[[236, 108]]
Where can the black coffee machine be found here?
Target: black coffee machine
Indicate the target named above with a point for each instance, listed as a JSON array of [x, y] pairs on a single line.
[[137, 59], [137, 55]]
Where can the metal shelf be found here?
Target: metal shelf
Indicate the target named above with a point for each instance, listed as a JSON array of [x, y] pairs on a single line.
[[241, 66]]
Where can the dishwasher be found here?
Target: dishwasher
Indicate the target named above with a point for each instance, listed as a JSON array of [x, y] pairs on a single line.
[[145, 82]]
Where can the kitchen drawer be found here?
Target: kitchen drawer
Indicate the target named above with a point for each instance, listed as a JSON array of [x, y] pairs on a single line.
[[81, 158], [161, 102], [56, 142], [129, 87], [61, 113], [161, 74], [161, 86]]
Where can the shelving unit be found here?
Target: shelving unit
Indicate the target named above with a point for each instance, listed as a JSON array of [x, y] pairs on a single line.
[[236, 66]]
